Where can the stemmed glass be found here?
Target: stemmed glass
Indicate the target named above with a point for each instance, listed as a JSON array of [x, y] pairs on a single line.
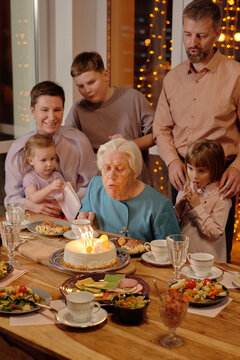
[[10, 240], [173, 309], [177, 249]]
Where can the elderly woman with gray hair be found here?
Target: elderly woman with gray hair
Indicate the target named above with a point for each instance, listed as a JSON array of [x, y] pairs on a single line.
[[123, 204]]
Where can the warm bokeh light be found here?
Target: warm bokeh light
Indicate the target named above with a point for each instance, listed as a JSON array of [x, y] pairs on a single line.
[[147, 42], [221, 37], [237, 36]]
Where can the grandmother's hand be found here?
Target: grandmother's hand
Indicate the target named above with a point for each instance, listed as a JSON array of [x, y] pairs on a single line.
[[87, 215]]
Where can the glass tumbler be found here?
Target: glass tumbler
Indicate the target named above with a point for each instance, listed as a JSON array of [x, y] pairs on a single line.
[[10, 240]]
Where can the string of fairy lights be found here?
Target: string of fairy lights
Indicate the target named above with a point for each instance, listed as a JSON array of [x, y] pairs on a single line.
[[158, 46], [229, 40]]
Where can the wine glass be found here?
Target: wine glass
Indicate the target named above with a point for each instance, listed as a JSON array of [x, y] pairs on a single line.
[[173, 309], [10, 240], [177, 249]]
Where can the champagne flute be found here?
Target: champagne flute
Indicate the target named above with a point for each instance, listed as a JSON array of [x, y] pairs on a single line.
[[173, 309], [178, 249], [10, 240]]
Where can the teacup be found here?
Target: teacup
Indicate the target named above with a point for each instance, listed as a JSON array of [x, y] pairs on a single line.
[[159, 250], [15, 213], [201, 263], [82, 305], [80, 226]]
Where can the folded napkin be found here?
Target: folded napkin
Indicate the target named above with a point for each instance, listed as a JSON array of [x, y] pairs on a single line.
[[227, 278], [41, 317], [210, 311], [69, 202], [13, 276]]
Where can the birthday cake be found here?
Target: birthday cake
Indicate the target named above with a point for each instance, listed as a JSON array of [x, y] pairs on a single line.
[[94, 255]]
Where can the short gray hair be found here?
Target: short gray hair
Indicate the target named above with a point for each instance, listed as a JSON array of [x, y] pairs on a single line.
[[124, 146]]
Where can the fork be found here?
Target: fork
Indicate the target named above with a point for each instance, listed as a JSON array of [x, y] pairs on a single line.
[[44, 306]]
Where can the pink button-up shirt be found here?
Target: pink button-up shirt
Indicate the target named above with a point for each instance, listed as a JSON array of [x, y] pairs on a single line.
[[195, 106]]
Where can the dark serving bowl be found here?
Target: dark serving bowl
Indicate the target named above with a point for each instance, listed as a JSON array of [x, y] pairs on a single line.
[[130, 315]]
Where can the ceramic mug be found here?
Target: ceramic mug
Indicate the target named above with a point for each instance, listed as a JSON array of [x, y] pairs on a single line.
[[80, 226], [82, 305], [15, 213], [201, 263], [159, 250]]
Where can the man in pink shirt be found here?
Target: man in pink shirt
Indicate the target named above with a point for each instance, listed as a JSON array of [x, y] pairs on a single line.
[[200, 99]]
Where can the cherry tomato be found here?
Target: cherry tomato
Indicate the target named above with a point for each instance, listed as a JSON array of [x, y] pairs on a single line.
[[205, 281], [190, 284], [22, 289]]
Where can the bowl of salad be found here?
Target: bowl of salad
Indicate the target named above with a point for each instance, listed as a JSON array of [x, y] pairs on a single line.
[[201, 293], [130, 308]]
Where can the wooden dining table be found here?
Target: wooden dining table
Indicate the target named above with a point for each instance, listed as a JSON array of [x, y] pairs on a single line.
[[204, 337]]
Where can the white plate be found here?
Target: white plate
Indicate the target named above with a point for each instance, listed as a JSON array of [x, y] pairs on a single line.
[[236, 279], [24, 224], [213, 274], [71, 236], [148, 257], [32, 227], [64, 317]]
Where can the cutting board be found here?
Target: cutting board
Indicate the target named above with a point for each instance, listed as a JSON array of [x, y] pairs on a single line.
[[40, 250]]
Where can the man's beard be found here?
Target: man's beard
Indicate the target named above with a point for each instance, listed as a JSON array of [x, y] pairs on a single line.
[[194, 59]]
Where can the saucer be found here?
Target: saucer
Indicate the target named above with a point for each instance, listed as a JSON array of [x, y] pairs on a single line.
[[236, 279], [64, 317], [213, 274], [24, 224], [71, 236], [148, 257]]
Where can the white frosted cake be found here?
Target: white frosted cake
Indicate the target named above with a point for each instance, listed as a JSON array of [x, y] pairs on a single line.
[[101, 254]]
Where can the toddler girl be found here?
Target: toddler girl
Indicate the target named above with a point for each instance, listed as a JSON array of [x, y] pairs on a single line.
[[201, 211], [42, 182]]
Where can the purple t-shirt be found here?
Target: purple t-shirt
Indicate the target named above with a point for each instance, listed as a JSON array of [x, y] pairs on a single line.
[[32, 179]]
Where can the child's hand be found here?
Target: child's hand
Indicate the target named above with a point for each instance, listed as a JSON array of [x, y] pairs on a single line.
[[180, 205], [192, 196], [57, 184]]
